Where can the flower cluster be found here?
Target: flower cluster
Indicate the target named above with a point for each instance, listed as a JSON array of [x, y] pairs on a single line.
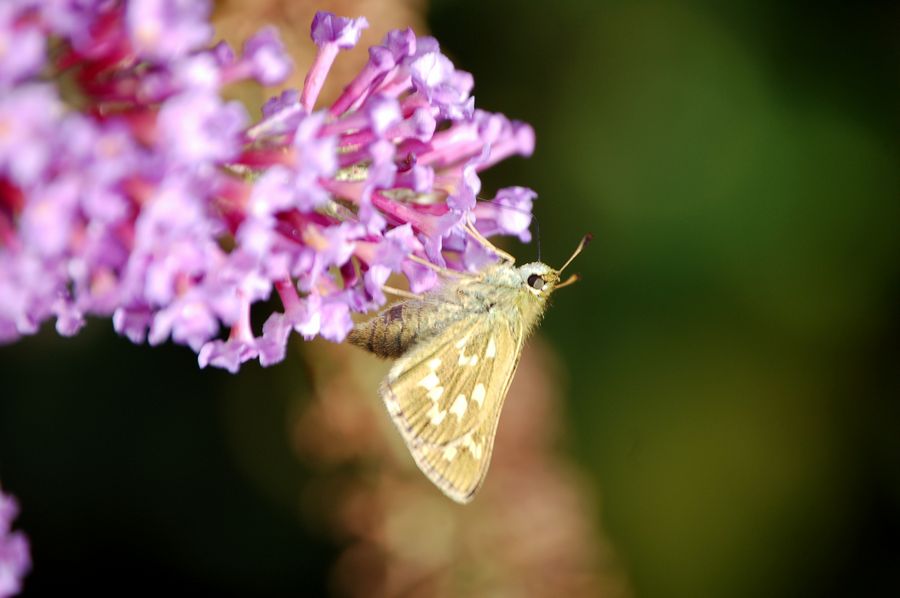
[[15, 560], [130, 188]]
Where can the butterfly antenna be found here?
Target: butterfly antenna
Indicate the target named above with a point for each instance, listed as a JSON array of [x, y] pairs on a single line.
[[584, 241], [537, 235]]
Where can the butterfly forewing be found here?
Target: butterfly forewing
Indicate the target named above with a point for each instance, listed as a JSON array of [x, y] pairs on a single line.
[[445, 396]]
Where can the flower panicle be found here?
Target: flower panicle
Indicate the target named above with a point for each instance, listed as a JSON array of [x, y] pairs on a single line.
[[140, 193]]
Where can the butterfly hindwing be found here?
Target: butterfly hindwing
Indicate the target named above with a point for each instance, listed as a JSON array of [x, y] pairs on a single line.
[[445, 395]]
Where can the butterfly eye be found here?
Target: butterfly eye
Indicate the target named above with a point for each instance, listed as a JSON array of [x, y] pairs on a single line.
[[536, 282]]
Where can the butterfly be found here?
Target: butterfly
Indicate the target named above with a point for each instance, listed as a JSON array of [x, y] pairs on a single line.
[[457, 349]]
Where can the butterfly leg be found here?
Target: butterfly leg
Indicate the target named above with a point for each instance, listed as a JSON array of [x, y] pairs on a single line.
[[470, 228], [398, 292], [447, 272]]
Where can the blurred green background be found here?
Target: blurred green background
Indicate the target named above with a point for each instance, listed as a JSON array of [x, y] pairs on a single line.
[[731, 359]]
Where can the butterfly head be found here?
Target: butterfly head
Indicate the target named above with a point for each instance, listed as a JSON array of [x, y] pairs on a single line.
[[541, 280]]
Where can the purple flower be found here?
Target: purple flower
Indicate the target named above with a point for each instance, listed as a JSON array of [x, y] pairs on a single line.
[[331, 34], [241, 346], [200, 72], [509, 213], [265, 55], [133, 322], [198, 126], [47, 221], [443, 86], [69, 319], [22, 47], [189, 319], [276, 104], [383, 113], [331, 29], [316, 158], [331, 246], [167, 29], [272, 344], [15, 557], [375, 278], [29, 116], [228, 355], [158, 203]]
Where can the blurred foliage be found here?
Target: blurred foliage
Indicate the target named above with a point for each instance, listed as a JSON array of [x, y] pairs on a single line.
[[729, 364]]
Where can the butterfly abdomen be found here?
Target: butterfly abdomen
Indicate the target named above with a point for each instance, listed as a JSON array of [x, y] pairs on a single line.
[[391, 332]]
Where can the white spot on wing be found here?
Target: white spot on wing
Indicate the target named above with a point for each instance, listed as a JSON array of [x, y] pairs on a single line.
[[462, 342], [467, 359], [478, 394], [472, 446], [458, 408], [429, 381], [435, 393], [449, 453], [434, 364], [436, 415], [491, 351]]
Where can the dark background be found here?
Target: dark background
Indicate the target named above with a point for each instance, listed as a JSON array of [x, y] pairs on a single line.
[[731, 354]]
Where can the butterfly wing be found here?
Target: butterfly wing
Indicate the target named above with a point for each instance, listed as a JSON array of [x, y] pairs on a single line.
[[445, 396]]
